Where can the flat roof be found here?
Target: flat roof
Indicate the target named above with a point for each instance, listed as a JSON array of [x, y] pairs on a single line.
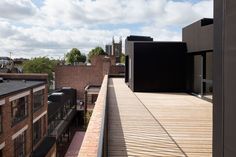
[[10, 86], [157, 124], [92, 89]]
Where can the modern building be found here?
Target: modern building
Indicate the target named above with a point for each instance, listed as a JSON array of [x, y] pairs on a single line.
[[23, 116], [199, 40], [155, 66], [173, 66]]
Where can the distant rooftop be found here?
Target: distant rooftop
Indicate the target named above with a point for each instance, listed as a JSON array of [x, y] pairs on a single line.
[[5, 58], [139, 38], [93, 89], [10, 86]]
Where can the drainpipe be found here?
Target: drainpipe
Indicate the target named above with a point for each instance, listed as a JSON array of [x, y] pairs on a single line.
[[32, 119]]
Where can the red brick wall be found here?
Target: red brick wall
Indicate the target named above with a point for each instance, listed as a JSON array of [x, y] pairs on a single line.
[[79, 76], [9, 130], [117, 69], [90, 145]]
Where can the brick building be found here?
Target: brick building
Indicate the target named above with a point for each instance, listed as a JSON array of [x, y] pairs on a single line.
[[23, 116], [80, 76]]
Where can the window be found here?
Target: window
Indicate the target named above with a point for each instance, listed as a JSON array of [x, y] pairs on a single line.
[[38, 99], [19, 109], [94, 98], [20, 145], [36, 131], [91, 98]]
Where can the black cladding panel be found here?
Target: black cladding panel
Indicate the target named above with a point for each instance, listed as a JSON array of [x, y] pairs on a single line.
[[139, 38], [160, 66]]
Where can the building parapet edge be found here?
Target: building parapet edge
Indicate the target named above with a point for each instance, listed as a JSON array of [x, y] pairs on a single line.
[[93, 142]]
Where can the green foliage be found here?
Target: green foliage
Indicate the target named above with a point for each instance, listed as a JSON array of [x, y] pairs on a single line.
[[75, 56], [40, 65], [96, 52], [122, 58]]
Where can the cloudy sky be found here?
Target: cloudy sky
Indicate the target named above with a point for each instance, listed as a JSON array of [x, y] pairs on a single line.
[[31, 28]]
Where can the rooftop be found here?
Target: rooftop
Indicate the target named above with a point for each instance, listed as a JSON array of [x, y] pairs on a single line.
[[10, 86], [147, 124], [93, 89], [161, 124]]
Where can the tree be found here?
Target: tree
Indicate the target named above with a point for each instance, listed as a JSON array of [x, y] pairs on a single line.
[[75, 56], [40, 65], [96, 52], [122, 58]]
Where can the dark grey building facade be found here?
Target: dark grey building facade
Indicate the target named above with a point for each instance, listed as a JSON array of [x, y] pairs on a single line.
[[224, 74], [199, 40]]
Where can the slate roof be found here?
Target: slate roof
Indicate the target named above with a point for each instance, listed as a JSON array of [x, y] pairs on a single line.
[[10, 86]]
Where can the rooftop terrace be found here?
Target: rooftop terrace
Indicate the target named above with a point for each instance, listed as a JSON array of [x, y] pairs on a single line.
[[147, 124]]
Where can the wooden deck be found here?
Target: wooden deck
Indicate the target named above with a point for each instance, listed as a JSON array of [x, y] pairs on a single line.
[[157, 124]]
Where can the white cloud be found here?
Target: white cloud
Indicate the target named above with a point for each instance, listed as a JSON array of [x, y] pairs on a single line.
[[17, 9], [56, 26], [86, 12], [6, 29]]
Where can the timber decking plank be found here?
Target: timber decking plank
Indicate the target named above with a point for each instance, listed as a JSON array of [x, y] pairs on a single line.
[[157, 124]]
